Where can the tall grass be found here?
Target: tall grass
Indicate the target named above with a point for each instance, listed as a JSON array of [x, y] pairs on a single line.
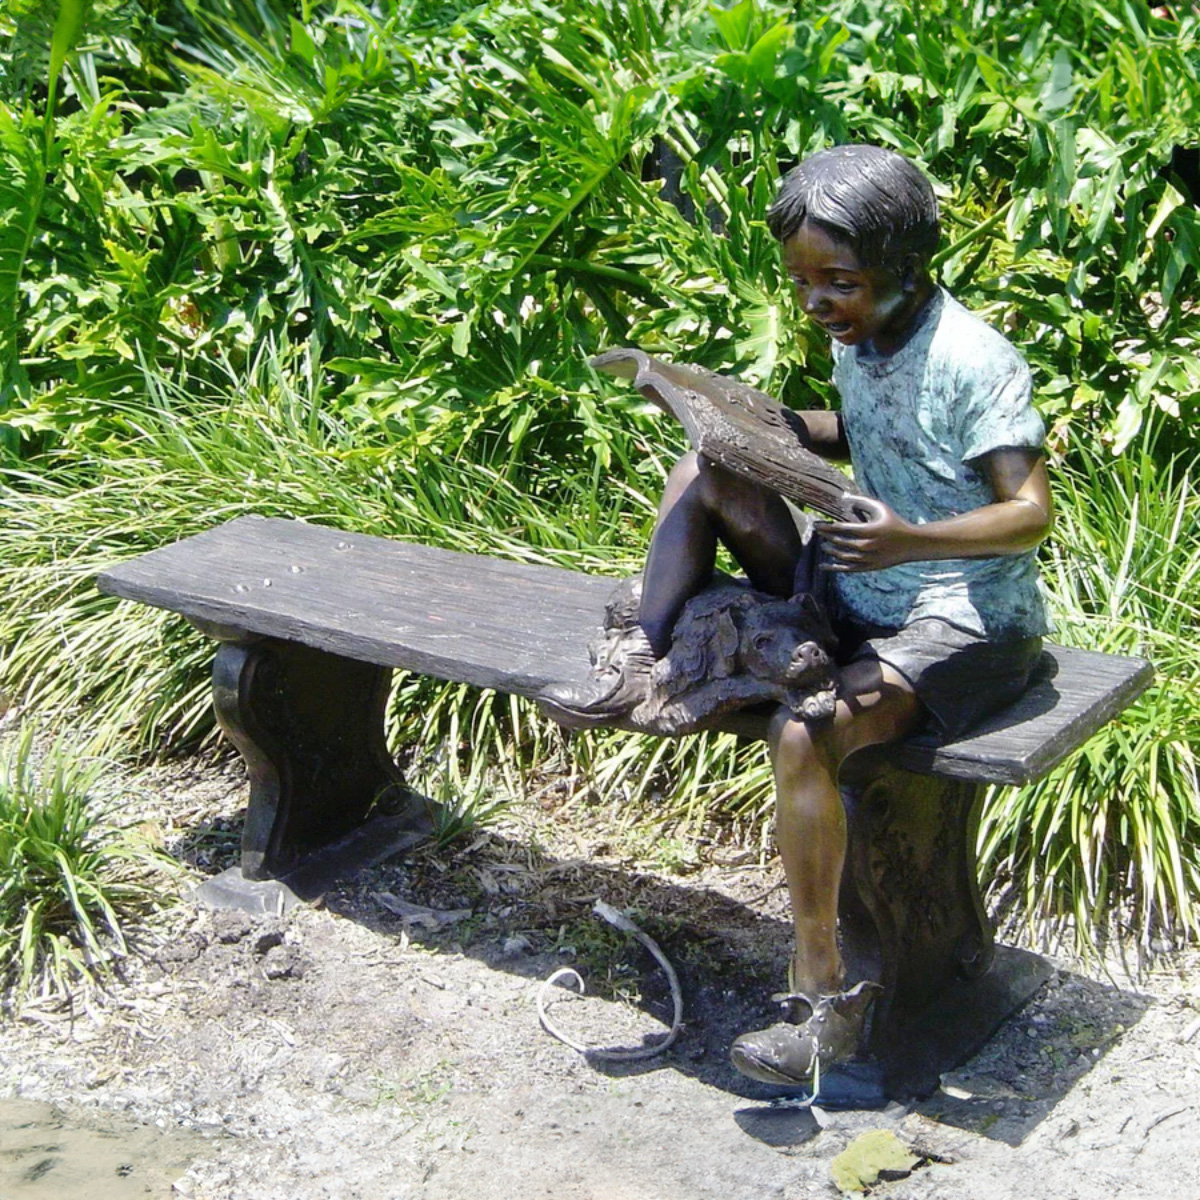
[[263, 443], [1112, 837], [134, 678], [69, 883]]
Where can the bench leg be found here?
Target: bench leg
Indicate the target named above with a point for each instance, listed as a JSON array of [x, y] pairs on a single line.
[[911, 918], [310, 726]]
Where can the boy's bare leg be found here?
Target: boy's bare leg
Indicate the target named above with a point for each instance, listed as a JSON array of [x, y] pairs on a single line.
[[702, 504], [875, 705]]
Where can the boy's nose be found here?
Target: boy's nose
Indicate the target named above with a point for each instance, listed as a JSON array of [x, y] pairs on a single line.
[[816, 300]]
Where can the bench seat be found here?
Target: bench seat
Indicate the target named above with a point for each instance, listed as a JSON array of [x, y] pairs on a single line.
[[516, 626]]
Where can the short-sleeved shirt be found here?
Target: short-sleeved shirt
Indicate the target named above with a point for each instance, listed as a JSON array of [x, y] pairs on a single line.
[[917, 421]]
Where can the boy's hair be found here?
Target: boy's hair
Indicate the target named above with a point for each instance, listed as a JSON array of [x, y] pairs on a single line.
[[873, 199]]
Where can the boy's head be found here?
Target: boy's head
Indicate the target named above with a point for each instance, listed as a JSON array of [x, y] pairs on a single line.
[[873, 200]]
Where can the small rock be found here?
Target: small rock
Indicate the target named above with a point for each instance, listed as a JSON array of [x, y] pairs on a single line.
[[231, 925], [267, 939], [284, 962], [184, 949], [517, 944]]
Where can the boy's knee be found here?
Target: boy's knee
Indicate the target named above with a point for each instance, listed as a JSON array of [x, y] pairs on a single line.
[[687, 466], [793, 742], [685, 476], [796, 744], [693, 470]]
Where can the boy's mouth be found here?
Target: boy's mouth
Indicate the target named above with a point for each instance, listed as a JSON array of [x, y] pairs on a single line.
[[836, 328]]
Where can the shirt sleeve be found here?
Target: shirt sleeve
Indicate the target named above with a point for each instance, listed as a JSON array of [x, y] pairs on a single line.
[[996, 399]]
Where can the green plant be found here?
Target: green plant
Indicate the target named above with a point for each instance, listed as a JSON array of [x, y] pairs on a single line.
[[1118, 825], [413, 1097], [260, 442], [446, 206], [347, 262], [69, 883], [467, 799]]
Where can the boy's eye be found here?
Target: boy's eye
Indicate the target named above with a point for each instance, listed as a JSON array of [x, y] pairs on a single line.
[[845, 285]]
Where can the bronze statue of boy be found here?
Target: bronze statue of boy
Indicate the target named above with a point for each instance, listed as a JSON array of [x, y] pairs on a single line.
[[933, 594]]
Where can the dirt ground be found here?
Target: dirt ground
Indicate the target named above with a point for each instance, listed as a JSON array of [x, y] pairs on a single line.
[[384, 1044]]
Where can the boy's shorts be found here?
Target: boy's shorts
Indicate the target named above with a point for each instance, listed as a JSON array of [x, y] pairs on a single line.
[[960, 677]]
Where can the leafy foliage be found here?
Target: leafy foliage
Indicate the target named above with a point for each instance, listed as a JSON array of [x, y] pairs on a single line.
[[259, 444], [68, 884], [347, 261], [450, 209]]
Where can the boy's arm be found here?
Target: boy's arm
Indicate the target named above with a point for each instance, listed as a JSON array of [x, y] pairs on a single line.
[[1018, 520], [827, 434]]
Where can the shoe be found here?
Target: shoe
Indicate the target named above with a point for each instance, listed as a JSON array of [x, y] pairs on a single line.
[[617, 685], [825, 1031]]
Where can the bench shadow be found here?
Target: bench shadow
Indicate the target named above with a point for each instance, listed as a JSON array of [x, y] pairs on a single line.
[[527, 918], [526, 913], [1035, 1058]]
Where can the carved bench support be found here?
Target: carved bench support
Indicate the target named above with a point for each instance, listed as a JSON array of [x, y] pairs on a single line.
[[911, 910], [310, 726], [912, 919]]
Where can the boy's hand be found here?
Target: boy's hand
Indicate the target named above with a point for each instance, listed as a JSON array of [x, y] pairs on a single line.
[[882, 538], [1016, 521]]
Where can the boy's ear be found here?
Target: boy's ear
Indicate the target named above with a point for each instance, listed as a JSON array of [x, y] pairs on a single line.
[[913, 269]]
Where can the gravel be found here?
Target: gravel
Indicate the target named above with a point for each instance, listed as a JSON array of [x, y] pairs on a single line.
[[359, 1048]]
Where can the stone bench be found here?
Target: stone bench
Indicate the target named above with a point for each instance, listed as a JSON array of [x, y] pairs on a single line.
[[311, 623]]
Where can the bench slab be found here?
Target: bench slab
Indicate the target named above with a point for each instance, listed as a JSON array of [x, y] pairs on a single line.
[[517, 626]]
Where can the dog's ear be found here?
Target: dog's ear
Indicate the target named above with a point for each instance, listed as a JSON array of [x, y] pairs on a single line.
[[816, 619]]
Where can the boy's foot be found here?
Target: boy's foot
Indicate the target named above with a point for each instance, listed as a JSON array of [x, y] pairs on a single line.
[[827, 1031], [613, 690]]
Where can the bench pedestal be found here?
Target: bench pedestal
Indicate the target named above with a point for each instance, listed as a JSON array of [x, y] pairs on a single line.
[[310, 726], [912, 919], [911, 915]]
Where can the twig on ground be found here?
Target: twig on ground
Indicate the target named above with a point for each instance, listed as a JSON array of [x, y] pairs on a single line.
[[758, 896]]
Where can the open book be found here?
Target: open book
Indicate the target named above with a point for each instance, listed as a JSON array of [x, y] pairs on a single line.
[[738, 427]]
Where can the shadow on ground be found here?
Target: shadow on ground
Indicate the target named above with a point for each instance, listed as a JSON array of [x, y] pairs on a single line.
[[524, 912]]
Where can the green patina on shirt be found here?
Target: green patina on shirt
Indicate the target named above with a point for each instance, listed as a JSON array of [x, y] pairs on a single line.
[[916, 420]]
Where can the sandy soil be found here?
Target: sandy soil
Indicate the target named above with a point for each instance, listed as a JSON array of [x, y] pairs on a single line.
[[384, 1044]]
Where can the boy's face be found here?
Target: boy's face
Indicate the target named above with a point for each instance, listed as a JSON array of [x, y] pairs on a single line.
[[854, 304]]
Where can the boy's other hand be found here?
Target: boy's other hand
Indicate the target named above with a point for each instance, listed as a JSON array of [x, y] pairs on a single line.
[[1015, 522], [881, 538]]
